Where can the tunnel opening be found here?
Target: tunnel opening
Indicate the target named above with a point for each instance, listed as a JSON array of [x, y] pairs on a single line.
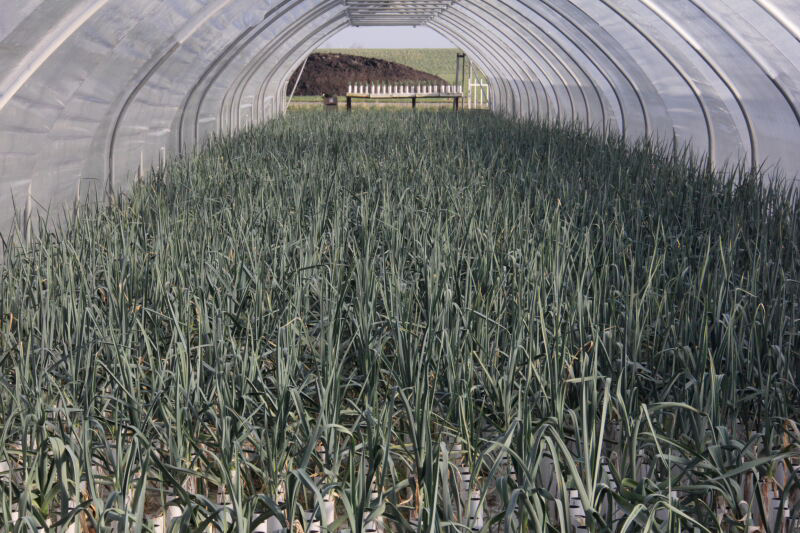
[[388, 65]]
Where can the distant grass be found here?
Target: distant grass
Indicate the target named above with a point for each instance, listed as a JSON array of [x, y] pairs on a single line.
[[438, 61], [307, 98]]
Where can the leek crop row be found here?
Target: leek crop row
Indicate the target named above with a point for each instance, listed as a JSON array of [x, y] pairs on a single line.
[[392, 321]]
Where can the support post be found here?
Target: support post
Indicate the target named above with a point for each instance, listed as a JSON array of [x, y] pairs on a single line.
[[349, 103], [460, 59], [469, 88], [413, 102]]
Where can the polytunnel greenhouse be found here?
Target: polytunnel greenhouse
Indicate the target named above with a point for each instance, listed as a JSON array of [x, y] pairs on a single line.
[[578, 310]]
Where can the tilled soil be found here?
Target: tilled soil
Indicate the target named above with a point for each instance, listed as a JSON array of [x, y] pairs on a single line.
[[331, 73]]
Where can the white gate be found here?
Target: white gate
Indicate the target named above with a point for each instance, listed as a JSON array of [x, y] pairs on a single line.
[[477, 90], [477, 94]]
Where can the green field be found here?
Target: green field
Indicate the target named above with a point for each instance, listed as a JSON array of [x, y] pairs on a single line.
[[438, 61], [445, 322]]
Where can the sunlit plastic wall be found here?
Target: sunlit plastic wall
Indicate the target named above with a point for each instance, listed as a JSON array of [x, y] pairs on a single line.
[[92, 91]]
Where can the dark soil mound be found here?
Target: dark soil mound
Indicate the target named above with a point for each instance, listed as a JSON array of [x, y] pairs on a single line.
[[331, 73]]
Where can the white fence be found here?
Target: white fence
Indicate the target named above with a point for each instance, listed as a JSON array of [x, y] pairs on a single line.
[[389, 90]]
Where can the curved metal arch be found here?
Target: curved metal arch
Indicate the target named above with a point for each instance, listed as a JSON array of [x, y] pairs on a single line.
[[511, 66], [233, 95], [235, 91], [323, 33], [503, 90], [298, 49], [557, 50], [754, 56], [506, 86], [679, 30], [223, 59], [510, 88], [107, 123], [149, 69], [489, 65], [55, 36], [271, 17], [603, 72], [226, 103], [535, 70], [537, 79], [544, 59], [712, 148], [58, 35], [539, 36], [599, 67], [227, 53], [780, 17], [597, 45], [283, 82], [147, 72]]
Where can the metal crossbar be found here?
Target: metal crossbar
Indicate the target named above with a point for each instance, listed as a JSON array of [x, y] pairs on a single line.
[[394, 12]]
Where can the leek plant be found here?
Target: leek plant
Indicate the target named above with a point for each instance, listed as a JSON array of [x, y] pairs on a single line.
[[392, 321]]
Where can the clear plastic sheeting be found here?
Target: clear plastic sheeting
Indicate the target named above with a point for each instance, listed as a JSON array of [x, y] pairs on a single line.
[[96, 92]]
